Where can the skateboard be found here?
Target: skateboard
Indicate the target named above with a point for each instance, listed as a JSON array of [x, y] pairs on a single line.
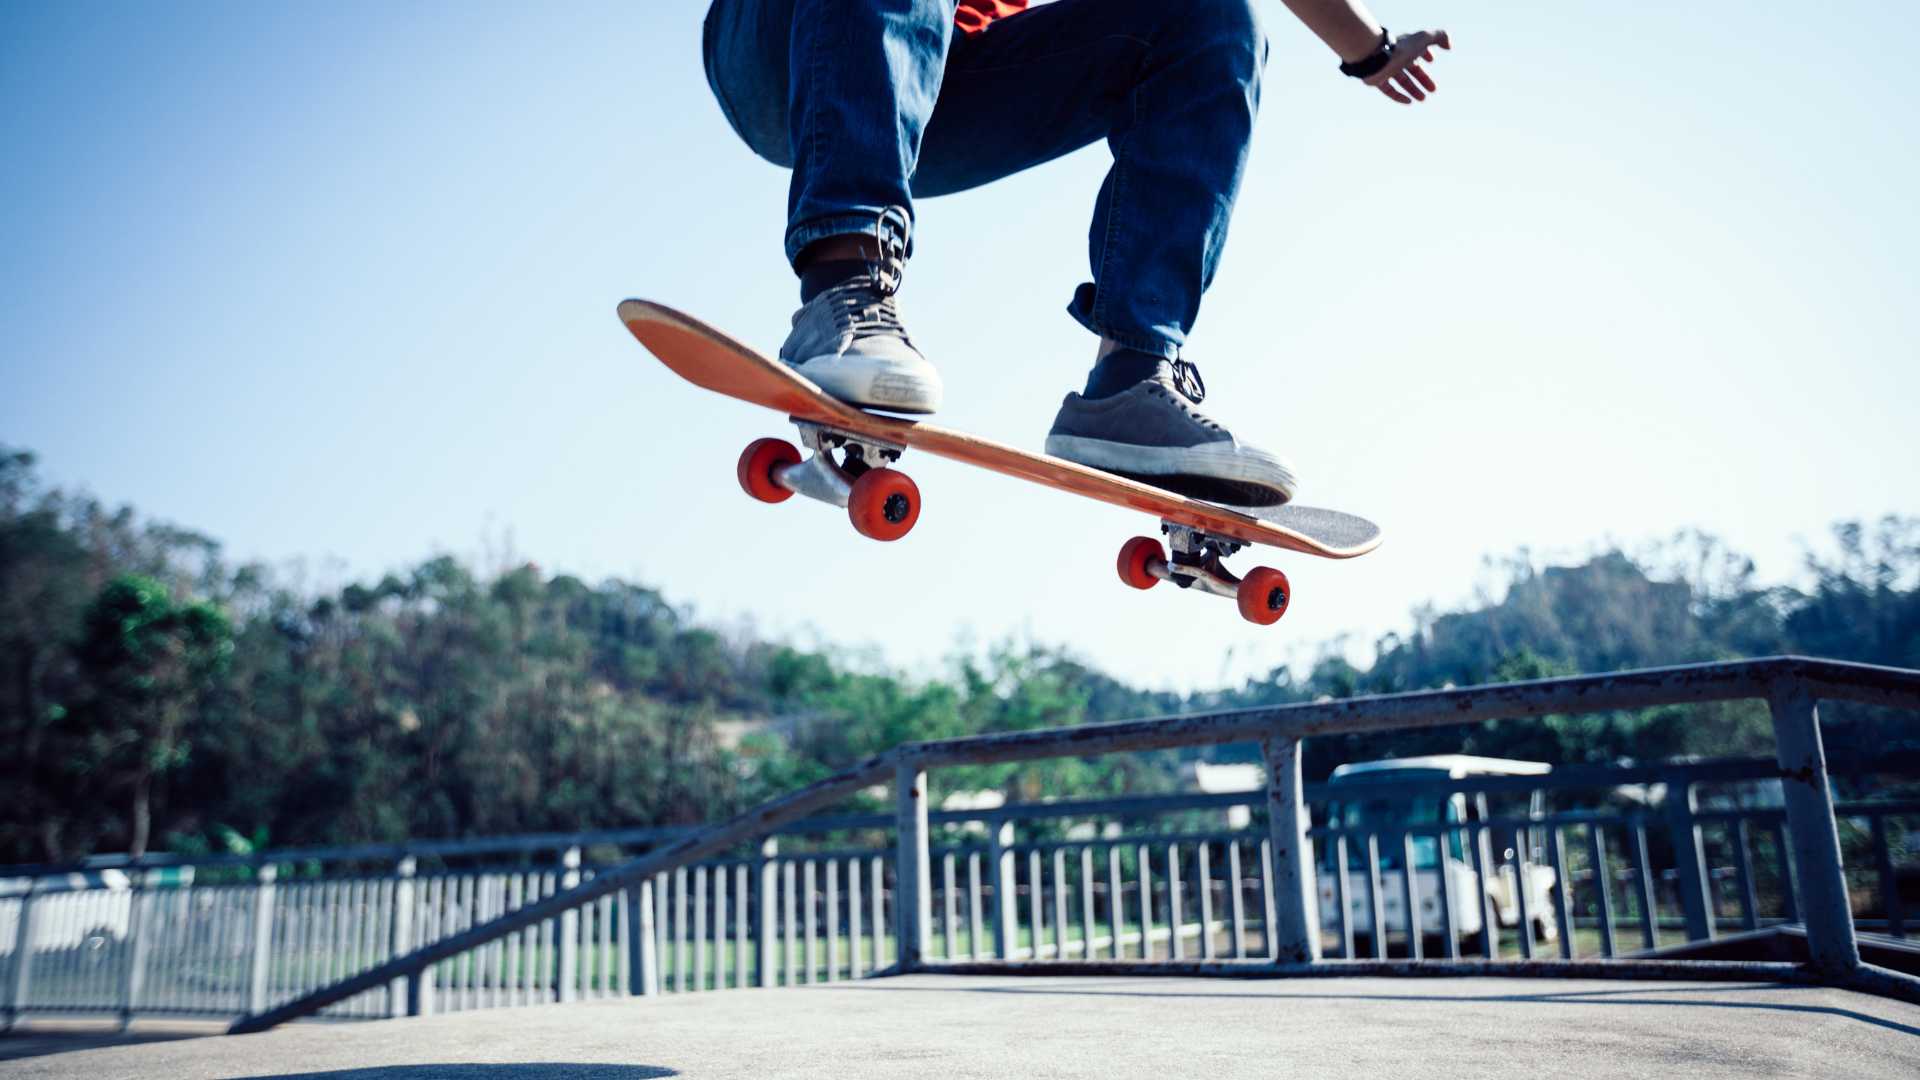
[[883, 503]]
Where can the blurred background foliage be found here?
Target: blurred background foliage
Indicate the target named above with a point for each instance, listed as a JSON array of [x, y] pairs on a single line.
[[152, 694]]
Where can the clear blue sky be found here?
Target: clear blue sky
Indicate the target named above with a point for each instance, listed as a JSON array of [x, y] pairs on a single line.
[[336, 282]]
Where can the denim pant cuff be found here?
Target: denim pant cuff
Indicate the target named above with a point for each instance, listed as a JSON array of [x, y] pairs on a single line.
[[855, 221], [1155, 344]]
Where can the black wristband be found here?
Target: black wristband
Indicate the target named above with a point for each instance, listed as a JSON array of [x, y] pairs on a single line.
[[1371, 64]]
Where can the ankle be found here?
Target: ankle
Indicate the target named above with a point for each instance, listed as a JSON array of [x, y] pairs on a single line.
[[819, 275], [1118, 369]]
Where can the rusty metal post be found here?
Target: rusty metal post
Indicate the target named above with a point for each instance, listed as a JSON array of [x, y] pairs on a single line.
[[1295, 910], [912, 868], [1815, 837]]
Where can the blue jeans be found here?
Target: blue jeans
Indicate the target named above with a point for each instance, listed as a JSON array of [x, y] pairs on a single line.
[[874, 102]]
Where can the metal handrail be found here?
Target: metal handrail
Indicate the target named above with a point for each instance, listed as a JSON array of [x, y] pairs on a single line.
[[1790, 684]]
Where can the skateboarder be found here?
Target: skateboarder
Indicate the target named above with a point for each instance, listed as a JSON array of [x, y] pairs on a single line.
[[873, 103]]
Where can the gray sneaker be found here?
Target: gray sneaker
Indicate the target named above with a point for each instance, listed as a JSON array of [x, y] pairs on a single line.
[[848, 340], [1152, 432]]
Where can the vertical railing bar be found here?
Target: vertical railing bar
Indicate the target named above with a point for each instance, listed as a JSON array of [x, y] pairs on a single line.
[[1410, 897], [833, 919], [1376, 906], [1059, 903], [720, 935], [1523, 889], [1743, 875], [789, 920], [766, 904], [809, 924], [742, 938], [1176, 918], [530, 983], [1116, 901], [976, 924], [1340, 902], [1036, 900], [680, 915], [1603, 894], [1145, 873], [1005, 911], [1449, 919], [1649, 900], [1236, 900], [1203, 881], [1086, 902], [643, 947], [876, 897], [549, 938], [699, 935], [856, 962], [1562, 911], [1269, 941], [1483, 896], [949, 907]]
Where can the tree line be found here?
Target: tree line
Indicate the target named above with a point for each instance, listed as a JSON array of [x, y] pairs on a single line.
[[154, 695]]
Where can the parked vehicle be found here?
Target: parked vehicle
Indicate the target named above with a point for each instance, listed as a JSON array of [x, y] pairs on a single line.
[[1381, 797]]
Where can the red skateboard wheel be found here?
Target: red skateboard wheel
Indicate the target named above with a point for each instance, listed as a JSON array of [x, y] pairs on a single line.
[[1135, 554], [1263, 595], [755, 469], [884, 504]]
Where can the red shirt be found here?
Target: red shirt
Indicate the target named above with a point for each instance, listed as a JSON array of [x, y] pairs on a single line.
[[974, 15]]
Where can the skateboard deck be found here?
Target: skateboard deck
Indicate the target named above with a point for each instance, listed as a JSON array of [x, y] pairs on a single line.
[[709, 358]]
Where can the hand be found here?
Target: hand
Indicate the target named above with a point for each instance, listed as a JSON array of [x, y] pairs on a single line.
[[1403, 66]]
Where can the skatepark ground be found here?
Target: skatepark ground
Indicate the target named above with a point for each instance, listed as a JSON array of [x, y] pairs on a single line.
[[962, 1026]]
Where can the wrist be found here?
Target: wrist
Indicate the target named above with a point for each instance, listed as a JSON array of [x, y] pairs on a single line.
[[1362, 46], [1371, 62]]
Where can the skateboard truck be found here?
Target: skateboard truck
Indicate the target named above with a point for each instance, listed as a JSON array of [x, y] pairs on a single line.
[[881, 501], [1195, 563]]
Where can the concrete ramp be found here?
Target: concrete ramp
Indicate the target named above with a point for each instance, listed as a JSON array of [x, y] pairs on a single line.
[[1215, 1029]]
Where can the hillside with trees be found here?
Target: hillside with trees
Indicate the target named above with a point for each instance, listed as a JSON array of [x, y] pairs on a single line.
[[154, 695]]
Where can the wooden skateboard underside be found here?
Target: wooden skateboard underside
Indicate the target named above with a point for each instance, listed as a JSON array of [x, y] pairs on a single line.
[[707, 357]]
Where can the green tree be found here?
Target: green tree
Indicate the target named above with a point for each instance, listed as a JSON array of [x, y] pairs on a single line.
[[151, 665]]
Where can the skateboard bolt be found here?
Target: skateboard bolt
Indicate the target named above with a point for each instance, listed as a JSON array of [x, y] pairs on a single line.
[[1276, 599], [896, 508]]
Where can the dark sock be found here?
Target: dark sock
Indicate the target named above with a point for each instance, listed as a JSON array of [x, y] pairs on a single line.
[[820, 275], [1119, 370]]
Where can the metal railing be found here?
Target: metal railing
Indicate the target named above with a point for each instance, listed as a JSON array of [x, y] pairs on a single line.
[[689, 916]]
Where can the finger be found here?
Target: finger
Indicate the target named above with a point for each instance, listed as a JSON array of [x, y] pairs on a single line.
[[1408, 84], [1419, 73], [1387, 89], [1441, 39]]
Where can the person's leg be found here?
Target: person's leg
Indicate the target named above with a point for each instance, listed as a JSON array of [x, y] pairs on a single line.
[[1173, 88], [837, 90], [840, 90]]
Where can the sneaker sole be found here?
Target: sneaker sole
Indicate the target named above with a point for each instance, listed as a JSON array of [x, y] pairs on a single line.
[[1218, 476], [891, 387]]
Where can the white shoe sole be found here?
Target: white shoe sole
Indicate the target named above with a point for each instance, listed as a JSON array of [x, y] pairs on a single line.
[[871, 382], [1218, 472]]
